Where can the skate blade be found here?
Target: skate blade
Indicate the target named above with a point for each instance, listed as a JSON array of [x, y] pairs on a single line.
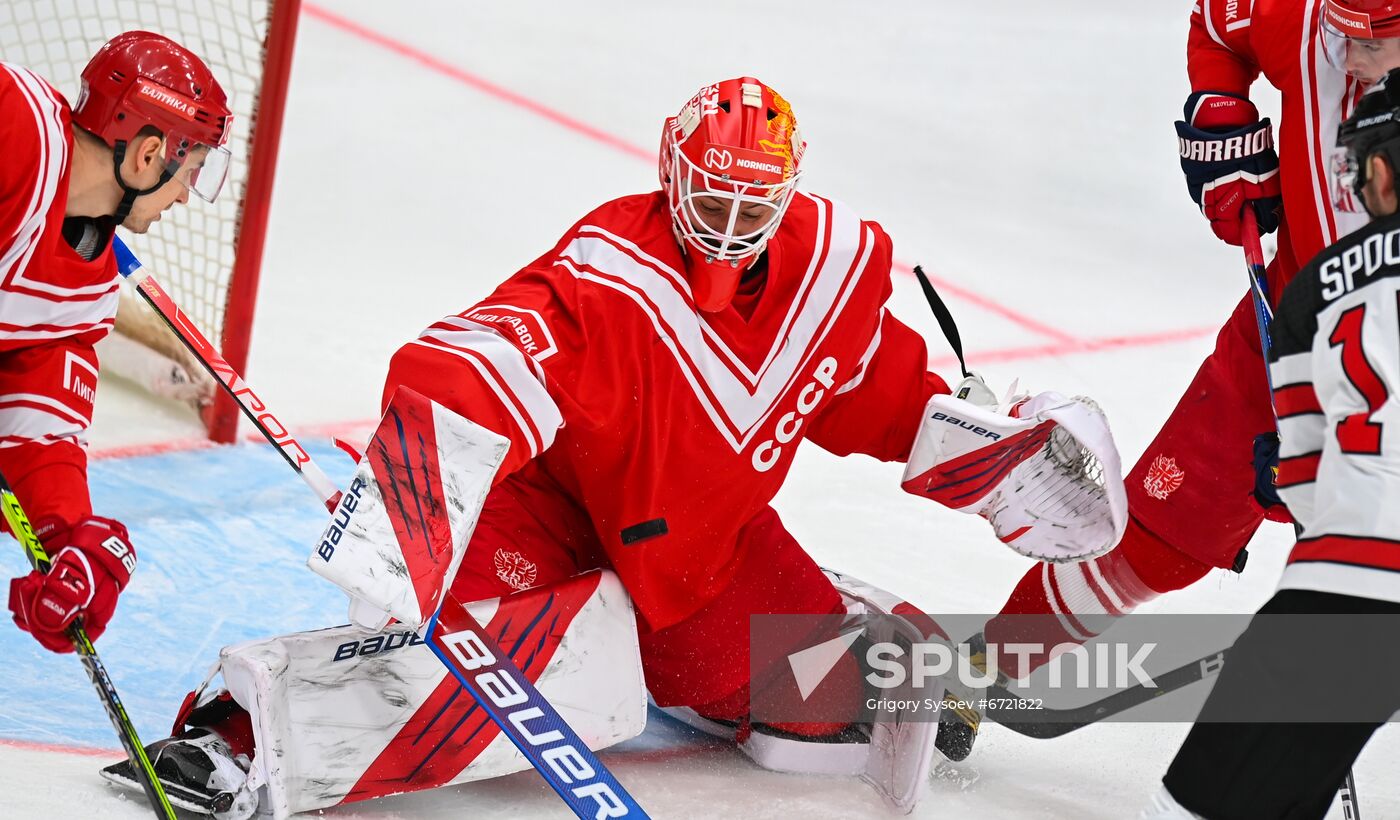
[[121, 775]]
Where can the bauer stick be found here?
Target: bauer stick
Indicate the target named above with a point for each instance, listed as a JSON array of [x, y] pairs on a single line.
[[96, 672], [1264, 317], [590, 790]]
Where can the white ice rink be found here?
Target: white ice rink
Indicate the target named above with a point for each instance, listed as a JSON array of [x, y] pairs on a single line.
[[1022, 151]]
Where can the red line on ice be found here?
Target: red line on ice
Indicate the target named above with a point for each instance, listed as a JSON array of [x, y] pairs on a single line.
[[1072, 346], [476, 81], [59, 748], [559, 118], [356, 432], [988, 304]]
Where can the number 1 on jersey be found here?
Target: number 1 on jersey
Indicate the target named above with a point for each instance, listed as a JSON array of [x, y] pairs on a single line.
[[1356, 433]]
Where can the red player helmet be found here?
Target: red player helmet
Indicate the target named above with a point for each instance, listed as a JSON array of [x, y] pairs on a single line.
[[734, 146], [1358, 20], [140, 79]]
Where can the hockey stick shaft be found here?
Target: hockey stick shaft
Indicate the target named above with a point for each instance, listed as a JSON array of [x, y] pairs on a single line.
[[92, 664], [1351, 807], [1049, 722], [1259, 290], [580, 779], [208, 355]]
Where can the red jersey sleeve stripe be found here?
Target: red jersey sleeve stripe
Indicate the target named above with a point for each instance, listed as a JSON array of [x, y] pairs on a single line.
[[1379, 553], [52, 159], [509, 378], [1298, 470], [528, 432], [522, 374], [1296, 400]]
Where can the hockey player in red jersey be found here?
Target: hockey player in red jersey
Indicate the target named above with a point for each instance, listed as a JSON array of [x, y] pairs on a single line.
[[655, 372], [653, 375], [1335, 366], [1192, 494], [147, 129]]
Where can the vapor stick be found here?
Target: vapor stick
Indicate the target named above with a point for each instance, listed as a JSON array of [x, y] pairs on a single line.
[[96, 672], [459, 641]]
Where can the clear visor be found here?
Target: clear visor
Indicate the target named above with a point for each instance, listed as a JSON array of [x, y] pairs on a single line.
[[725, 219], [1365, 59], [204, 171]]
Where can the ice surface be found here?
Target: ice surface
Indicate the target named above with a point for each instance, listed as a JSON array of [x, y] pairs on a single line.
[[1022, 151]]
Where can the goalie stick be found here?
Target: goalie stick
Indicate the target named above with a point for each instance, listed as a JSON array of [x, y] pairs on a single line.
[[1033, 722], [92, 664], [469, 653]]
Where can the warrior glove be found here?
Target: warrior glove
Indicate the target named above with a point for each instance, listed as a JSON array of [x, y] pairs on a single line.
[[1227, 154]]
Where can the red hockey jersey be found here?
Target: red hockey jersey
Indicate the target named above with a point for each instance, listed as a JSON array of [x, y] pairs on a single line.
[[669, 427], [54, 305], [48, 290], [1230, 43]]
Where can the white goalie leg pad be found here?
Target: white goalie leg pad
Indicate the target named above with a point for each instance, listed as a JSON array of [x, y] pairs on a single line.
[[894, 755], [399, 531], [342, 714], [1045, 472], [901, 750]]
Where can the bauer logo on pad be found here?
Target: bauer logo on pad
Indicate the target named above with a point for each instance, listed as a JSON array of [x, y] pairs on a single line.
[[398, 535]]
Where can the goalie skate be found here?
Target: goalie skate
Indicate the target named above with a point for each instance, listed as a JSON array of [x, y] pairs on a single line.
[[199, 772]]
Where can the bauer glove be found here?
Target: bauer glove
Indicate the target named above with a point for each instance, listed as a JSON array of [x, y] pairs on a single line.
[[1227, 154], [92, 565], [1044, 470]]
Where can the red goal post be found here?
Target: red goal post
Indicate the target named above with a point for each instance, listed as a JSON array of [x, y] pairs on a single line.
[[207, 255]]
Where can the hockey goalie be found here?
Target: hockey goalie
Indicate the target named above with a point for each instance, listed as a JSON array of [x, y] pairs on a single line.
[[631, 402]]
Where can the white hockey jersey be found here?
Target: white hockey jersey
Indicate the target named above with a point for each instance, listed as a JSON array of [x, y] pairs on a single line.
[[1336, 372]]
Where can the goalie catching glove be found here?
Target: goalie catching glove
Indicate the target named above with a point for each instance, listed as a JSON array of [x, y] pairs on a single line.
[[1043, 470]]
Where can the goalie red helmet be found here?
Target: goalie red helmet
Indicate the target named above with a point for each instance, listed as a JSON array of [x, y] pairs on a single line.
[[729, 166], [140, 79]]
